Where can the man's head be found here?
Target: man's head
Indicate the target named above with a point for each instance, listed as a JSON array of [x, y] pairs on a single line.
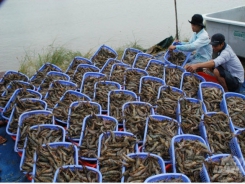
[[217, 42], [197, 22]]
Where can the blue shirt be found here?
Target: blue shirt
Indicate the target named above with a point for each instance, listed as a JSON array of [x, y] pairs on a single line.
[[230, 62], [199, 42]]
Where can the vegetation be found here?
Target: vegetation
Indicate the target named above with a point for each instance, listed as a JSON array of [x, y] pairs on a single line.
[[60, 57]]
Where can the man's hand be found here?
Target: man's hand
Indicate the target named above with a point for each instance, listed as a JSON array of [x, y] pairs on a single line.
[[171, 47], [191, 68]]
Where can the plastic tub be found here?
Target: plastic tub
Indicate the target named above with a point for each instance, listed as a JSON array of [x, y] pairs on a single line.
[[166, 56], [126, 92], [55, 145], [77, 103], [192, 100], [13, 99], [107, 118], [23, 151], [47, 67], [114, 68], [79, 75], [208, 85], [43, 126], [109, 61], [178, 138], [145, 155], [223, 104], [90, 74], [204, 173], [117, 134], [78, 94], [22, 84], [11, 119], [23, 77], [140, 55], [176, 68], [154, 79], [125, 105], [78, 167], [157, 62], [236, 149], [81, 60], [135, 51], [167, 177], [108, 49], [159, 118], [203, 130]]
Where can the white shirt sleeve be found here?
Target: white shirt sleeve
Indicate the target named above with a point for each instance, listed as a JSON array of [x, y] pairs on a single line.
[[222, 58]]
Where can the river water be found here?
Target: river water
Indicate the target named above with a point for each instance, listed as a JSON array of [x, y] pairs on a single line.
[[81, 25]]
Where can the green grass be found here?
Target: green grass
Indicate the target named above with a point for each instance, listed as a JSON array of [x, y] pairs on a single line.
[[60, 56]]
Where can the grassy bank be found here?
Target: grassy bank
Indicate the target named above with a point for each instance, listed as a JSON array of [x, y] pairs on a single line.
[[60, 56]]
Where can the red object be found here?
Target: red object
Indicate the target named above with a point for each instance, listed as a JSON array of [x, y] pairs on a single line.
[[140, 148], [120, 129], [169, 168], [86, 163], [207, 77], [13, 137], [29, 177], [20, 153]]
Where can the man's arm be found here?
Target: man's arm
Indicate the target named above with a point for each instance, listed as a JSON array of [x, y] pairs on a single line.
[[193, 67]]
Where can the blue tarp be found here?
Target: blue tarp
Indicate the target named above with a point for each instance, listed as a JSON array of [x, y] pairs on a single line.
[[9, 160]]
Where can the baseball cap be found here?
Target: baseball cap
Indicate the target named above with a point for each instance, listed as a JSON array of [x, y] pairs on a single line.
[[217, 39]]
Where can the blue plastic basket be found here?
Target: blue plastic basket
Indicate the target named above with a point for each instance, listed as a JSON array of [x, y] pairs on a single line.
[[23, 77], [117, 134], [126, 92], [55, 145], [135, 51], [109, 61], [143, 72], [160, 64], [89, 67], [104, 117], [178, 138], [159, 118], [76, 93], [145, 155], [35, 127], [167, 177], [223, 104], [125, 105], [47, 67], [13, 99], [200, 78], [22, 84], [114, 68], [192, 100], [204, 173], [164, 88], [153, 79], [75, 104], [90, 74], [187, 54], [236, 149], [77, 167], [176, 68], [109, 49], [208, 85], [81, 60], [141, 55], [203, 130]]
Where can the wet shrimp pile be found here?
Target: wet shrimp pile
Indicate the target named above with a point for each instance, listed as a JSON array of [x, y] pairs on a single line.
[[112, 119]]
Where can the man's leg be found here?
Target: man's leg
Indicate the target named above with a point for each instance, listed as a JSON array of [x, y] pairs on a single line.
[[220, 79]]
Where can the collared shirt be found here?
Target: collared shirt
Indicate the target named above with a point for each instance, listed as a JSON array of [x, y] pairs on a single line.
[[199, 42], [230, 62]]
